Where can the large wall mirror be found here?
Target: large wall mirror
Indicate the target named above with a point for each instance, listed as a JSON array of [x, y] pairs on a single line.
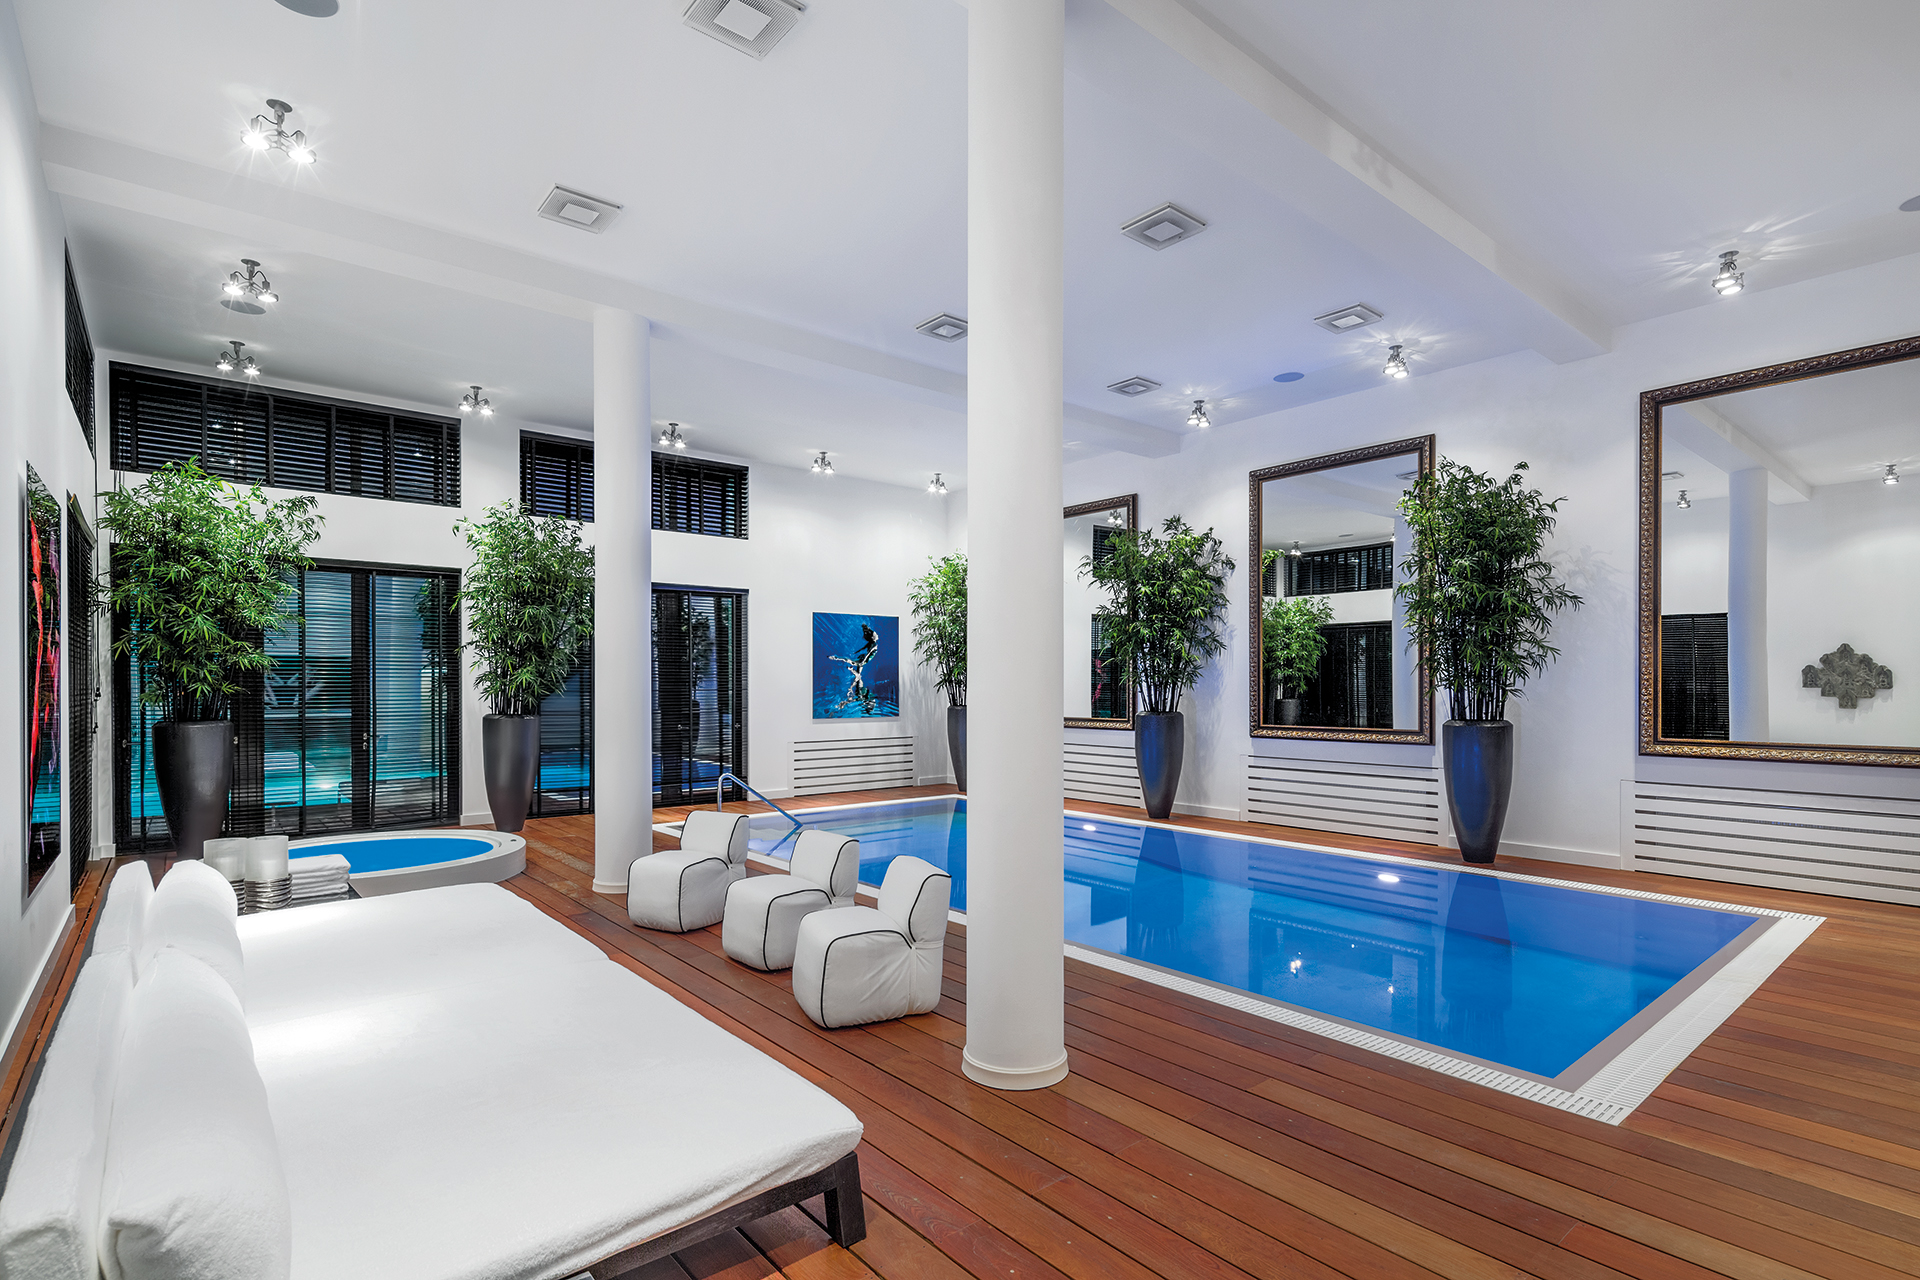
[[1098, 696], [1780, 562], [1330, 657]]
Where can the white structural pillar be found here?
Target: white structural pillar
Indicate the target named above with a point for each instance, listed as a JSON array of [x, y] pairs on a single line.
[[1406, 664], [1016, 980], [1747, 712], [622, 597]]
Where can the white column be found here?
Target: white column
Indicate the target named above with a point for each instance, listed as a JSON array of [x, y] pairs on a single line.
[[1747, 606], [622, 597], [1016, 982], [1406, 659]]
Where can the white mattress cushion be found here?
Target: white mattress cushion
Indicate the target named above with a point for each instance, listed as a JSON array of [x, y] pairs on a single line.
[[526, 1126], [338, 954], [194, 910], [123, 917], [50, 1215], [193, 1187]]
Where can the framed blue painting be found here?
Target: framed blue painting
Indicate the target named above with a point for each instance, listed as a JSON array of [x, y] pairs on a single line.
[[856, 666]]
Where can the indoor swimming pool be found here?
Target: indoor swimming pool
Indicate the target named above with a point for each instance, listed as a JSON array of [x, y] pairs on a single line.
[[1541, 978]]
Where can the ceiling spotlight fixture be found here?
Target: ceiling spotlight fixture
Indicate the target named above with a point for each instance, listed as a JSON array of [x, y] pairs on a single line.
[[1892, 475], [671, 437], [228, 361], [474, 402], [947, 328], [263, 134], [820, 464], [1684, 502], [253, 286], [1357, 316], [1295, 553], [1133, 386], [937, 486], [1198, 418], [1731, 279], [1169, 224], [1396, 366]]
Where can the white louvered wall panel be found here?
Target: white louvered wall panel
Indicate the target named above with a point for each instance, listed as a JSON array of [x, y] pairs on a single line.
[[852, 764], [1397, 802], [1850, 846], [1102, 770]]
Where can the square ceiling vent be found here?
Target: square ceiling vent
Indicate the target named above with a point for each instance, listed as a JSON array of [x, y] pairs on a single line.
[[1169, 224], [944, 327], [1133, 386], [1347, 318], [751, 26], [573, 209]]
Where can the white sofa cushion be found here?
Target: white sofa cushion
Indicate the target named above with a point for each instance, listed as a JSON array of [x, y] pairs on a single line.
[[50, 1215], [194, 910], [853, 965], [123, 916], [830, 860], [194, 1188], [763, 918], [680, 890], [711, 831]]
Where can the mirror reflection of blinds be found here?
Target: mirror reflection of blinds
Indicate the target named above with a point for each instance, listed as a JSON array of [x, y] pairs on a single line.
[[79, 365], [565, 783], [1108, 699], [691, 495], [556, 477], [1693, 676], [1354, 687], [1322, 573], [82, 686], [253, 435], [699, 692]]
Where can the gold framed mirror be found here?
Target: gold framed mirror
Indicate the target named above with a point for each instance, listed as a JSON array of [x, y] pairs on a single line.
[[1098, 694], [1779, 604], [1327, 644]]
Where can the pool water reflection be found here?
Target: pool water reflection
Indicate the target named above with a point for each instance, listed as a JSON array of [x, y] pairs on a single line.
[[1530, 976]]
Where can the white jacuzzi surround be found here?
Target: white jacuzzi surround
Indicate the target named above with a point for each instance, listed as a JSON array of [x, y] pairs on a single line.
[[505, 859]]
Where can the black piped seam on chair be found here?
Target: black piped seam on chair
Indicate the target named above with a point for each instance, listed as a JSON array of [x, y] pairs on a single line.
[[826, 957], [834, 874], [911, 940], [680, 891], [766, 925]]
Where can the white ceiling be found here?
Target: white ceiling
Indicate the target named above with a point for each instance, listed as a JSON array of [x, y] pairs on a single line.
[[1536, 179], [1842, 428]]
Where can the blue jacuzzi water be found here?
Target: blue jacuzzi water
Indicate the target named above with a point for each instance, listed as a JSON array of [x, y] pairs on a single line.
[[399, 851], [1529, 976]]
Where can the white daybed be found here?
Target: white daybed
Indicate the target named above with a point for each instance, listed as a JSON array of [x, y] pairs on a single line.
[[460, 1088]]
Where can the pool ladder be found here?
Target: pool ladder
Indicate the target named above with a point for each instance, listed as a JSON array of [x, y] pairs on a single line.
[[720, 803]]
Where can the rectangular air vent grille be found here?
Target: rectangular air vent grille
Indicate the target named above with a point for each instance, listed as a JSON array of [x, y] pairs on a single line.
[[821, 765], [751, 26], [572, 208], [1133, 386], [1396, 802], [1102, 771]]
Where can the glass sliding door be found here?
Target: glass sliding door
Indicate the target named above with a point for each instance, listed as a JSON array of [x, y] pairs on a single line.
[[565, 784], [699, 692]]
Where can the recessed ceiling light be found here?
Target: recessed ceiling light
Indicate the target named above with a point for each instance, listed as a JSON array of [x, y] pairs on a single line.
[[1357, 316], [571, 208], [1288, 377], [1133, 386], [947, 328], [751, 26], [1910, 206], [1169, 224]]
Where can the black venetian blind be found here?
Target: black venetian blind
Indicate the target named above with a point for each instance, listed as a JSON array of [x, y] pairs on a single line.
[[556, 476], [79, 358], [691, 495], [1319, 573], [1354, 688], [254, 435], [82, 686], [1693, 675]]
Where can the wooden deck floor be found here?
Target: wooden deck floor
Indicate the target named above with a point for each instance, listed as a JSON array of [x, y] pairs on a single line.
[[1192, 1140]]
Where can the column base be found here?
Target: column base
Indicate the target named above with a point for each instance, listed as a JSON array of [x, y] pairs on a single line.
[[1020, 1078], [601, 886]]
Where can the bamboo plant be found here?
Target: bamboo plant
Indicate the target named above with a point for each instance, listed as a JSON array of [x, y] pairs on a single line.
[[1167, 599], [529, 602], [939, 600]]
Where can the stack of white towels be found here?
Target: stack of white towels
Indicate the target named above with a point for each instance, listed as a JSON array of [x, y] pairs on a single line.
[[322, 878]]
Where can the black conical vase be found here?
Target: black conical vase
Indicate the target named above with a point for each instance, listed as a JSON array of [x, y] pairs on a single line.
[[1479, 763], [957, 744], [510, 749], [1159, 749], [193, 768]]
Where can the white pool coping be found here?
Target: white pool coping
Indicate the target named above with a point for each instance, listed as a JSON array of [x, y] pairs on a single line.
[[1607, 1084], [507, 858]]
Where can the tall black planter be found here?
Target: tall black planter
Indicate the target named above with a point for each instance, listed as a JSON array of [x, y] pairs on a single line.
[[1159, 749], [1479, 760], [511, 747], [193, 767], [957, 744]]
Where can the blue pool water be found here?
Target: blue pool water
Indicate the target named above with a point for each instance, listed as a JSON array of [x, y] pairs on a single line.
[[1530, 976], [407, 851]]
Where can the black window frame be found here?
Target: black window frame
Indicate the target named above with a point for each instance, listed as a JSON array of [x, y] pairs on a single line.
[[699, 496], [556, 476], [80, 388], [353, 444]]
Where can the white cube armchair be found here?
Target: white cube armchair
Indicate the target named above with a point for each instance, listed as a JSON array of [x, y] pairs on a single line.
[[764, 912], [686, 888], [858, 964]]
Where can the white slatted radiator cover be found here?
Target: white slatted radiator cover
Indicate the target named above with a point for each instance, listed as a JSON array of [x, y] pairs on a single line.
[[1849, 846], [1395, 802], [852, 764], [1102, 770]]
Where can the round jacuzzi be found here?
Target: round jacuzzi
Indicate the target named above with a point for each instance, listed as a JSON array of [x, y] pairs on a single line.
[[395, 861]]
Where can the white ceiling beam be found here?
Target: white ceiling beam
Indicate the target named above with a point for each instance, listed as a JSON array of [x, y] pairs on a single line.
[[1712, 436], [85, 167]]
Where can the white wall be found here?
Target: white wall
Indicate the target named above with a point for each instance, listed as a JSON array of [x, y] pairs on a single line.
[[37, 426], [1577, 425]]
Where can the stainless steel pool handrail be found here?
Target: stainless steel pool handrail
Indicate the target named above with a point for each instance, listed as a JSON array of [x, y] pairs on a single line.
[[720, 803]]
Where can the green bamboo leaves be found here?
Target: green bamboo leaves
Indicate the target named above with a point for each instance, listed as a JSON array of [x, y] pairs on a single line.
[[1166, 598], [529, 601], [939, 600], [201, 570], [1291, 641], [1479, 595]]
